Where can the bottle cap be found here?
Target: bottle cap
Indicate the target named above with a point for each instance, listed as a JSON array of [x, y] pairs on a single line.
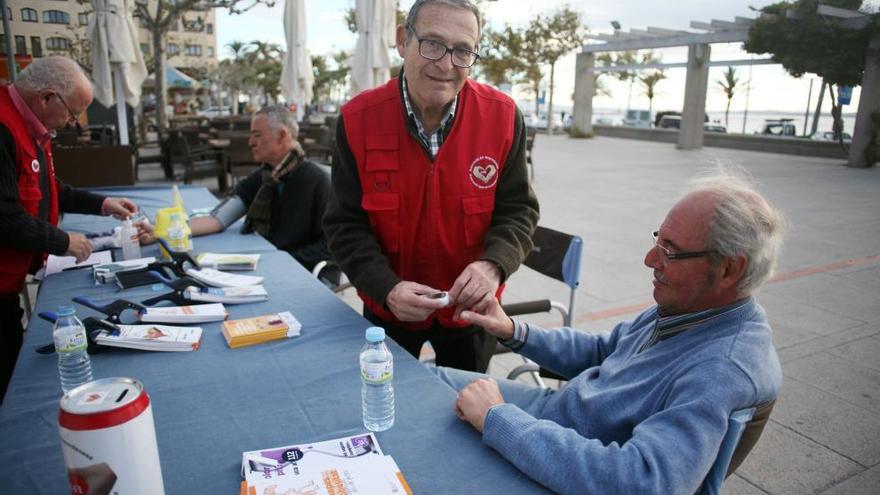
[[375, 334], [66, 310]]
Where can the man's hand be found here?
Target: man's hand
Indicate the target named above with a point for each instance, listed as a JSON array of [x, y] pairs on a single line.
[[475, 400], [493, 320], [79, 247], [408, 303], [120, 208], [475, 288]]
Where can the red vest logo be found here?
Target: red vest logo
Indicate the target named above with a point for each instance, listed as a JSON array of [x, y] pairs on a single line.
[[35, 166], [484, 172]]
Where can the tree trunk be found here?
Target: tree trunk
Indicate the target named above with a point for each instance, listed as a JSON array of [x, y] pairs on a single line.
[[537, 97], [727, 113], [837, 122], [818, 111], [550, 101]]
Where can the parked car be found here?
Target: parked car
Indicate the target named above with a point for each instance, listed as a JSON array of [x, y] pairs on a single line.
[[637, 118], [674, 122], [829, 136], [779, 127]]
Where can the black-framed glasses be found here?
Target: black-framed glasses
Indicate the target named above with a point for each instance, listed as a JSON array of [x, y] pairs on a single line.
[[435, 50], [71, 117], [672, 256]]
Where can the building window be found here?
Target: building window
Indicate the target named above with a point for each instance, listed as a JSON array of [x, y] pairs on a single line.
[[56, 17], [172, 48], [36, 46], [142, 22], [58, 43], [20, 45], [2, 44], [194, 50], [29, 15], [210, 51], [83, 18], [175, 26], [145, 48], [209, 28]]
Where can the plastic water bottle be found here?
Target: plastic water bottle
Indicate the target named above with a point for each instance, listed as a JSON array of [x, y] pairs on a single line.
[[178, 234], [377, 373], [131, 247], [69, 334]]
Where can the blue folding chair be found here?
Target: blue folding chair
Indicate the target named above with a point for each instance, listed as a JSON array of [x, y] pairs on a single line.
[[743, 430], [558, 256]]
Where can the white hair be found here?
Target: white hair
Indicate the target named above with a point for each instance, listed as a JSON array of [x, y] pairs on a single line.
[[743, 223], [59, 74], [280, 116]]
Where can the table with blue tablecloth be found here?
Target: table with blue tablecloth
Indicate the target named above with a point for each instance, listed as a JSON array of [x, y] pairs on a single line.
[[212, 404]]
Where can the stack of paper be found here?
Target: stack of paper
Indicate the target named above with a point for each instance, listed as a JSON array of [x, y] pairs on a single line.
[[216, 278], [249, 331], [230, 262], [228, 295], [152, 337], [346, 466], [106, 272], [202, 313]]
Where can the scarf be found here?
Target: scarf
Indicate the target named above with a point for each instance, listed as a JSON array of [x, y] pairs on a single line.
[[259, 215]]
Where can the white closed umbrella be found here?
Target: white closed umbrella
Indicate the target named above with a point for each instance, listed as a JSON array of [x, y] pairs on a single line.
[[370, 63], [118, 68], [296, 71]]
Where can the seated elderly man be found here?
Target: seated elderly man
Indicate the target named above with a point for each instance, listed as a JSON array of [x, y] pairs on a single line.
[[647, 404], [284, 199]]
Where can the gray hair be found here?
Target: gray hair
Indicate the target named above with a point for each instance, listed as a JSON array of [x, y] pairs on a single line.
[[59, 74], [413, 14], [743, 223], [280, 116]]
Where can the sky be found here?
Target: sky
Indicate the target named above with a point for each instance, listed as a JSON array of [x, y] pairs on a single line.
[[771, 89]]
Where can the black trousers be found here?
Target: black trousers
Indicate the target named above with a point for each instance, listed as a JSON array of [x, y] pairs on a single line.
[[11, 336], [468, 348]]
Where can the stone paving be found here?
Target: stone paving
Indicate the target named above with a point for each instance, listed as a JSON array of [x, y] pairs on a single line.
[[824, 305]]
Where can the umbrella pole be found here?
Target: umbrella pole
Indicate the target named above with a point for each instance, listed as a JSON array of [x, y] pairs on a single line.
[[121, 116]]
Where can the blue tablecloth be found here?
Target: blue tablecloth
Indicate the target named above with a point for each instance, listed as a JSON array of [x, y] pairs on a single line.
[[212, 404]]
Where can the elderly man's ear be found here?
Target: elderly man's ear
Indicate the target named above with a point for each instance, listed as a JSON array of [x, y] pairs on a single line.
[[731, 271]]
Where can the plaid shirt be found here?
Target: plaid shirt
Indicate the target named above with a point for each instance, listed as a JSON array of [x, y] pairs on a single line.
[[435, 140]]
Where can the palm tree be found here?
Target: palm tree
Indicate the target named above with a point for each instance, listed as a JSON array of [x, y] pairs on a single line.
[[649, 84], [728, 84]]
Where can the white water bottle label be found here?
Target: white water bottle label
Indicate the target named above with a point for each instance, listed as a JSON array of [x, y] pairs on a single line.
[[69, 341], [377, 372]]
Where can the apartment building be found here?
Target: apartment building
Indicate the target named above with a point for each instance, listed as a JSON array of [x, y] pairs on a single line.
[[50, 27]]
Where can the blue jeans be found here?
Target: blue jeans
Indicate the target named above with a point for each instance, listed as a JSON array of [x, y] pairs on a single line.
[[529, 398]]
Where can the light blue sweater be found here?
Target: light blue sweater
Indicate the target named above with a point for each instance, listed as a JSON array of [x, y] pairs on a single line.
[[637, 422]]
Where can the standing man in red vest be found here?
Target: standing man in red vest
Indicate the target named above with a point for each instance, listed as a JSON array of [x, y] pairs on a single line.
[[49, 94], [430, 190]]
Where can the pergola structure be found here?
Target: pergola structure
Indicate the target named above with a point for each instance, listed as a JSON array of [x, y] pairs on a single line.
[[690, 135]]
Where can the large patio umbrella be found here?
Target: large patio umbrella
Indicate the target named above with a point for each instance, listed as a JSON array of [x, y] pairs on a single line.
[[370, 63], [118, 68], [296, 72]]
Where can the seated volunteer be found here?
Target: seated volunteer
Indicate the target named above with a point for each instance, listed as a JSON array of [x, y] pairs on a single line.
[[284, 199], [647, 404]]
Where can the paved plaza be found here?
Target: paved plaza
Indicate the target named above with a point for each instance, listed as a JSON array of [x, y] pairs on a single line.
[[824, 304]]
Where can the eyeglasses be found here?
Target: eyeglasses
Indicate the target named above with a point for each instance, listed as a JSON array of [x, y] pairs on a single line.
[[671, 256], [71, 117], [435, 50]]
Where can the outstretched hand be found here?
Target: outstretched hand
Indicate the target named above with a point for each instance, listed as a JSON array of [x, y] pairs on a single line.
[[492, 319], [120, 208]]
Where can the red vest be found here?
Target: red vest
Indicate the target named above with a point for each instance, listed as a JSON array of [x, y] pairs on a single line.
[[14, 263], [430, 217]]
